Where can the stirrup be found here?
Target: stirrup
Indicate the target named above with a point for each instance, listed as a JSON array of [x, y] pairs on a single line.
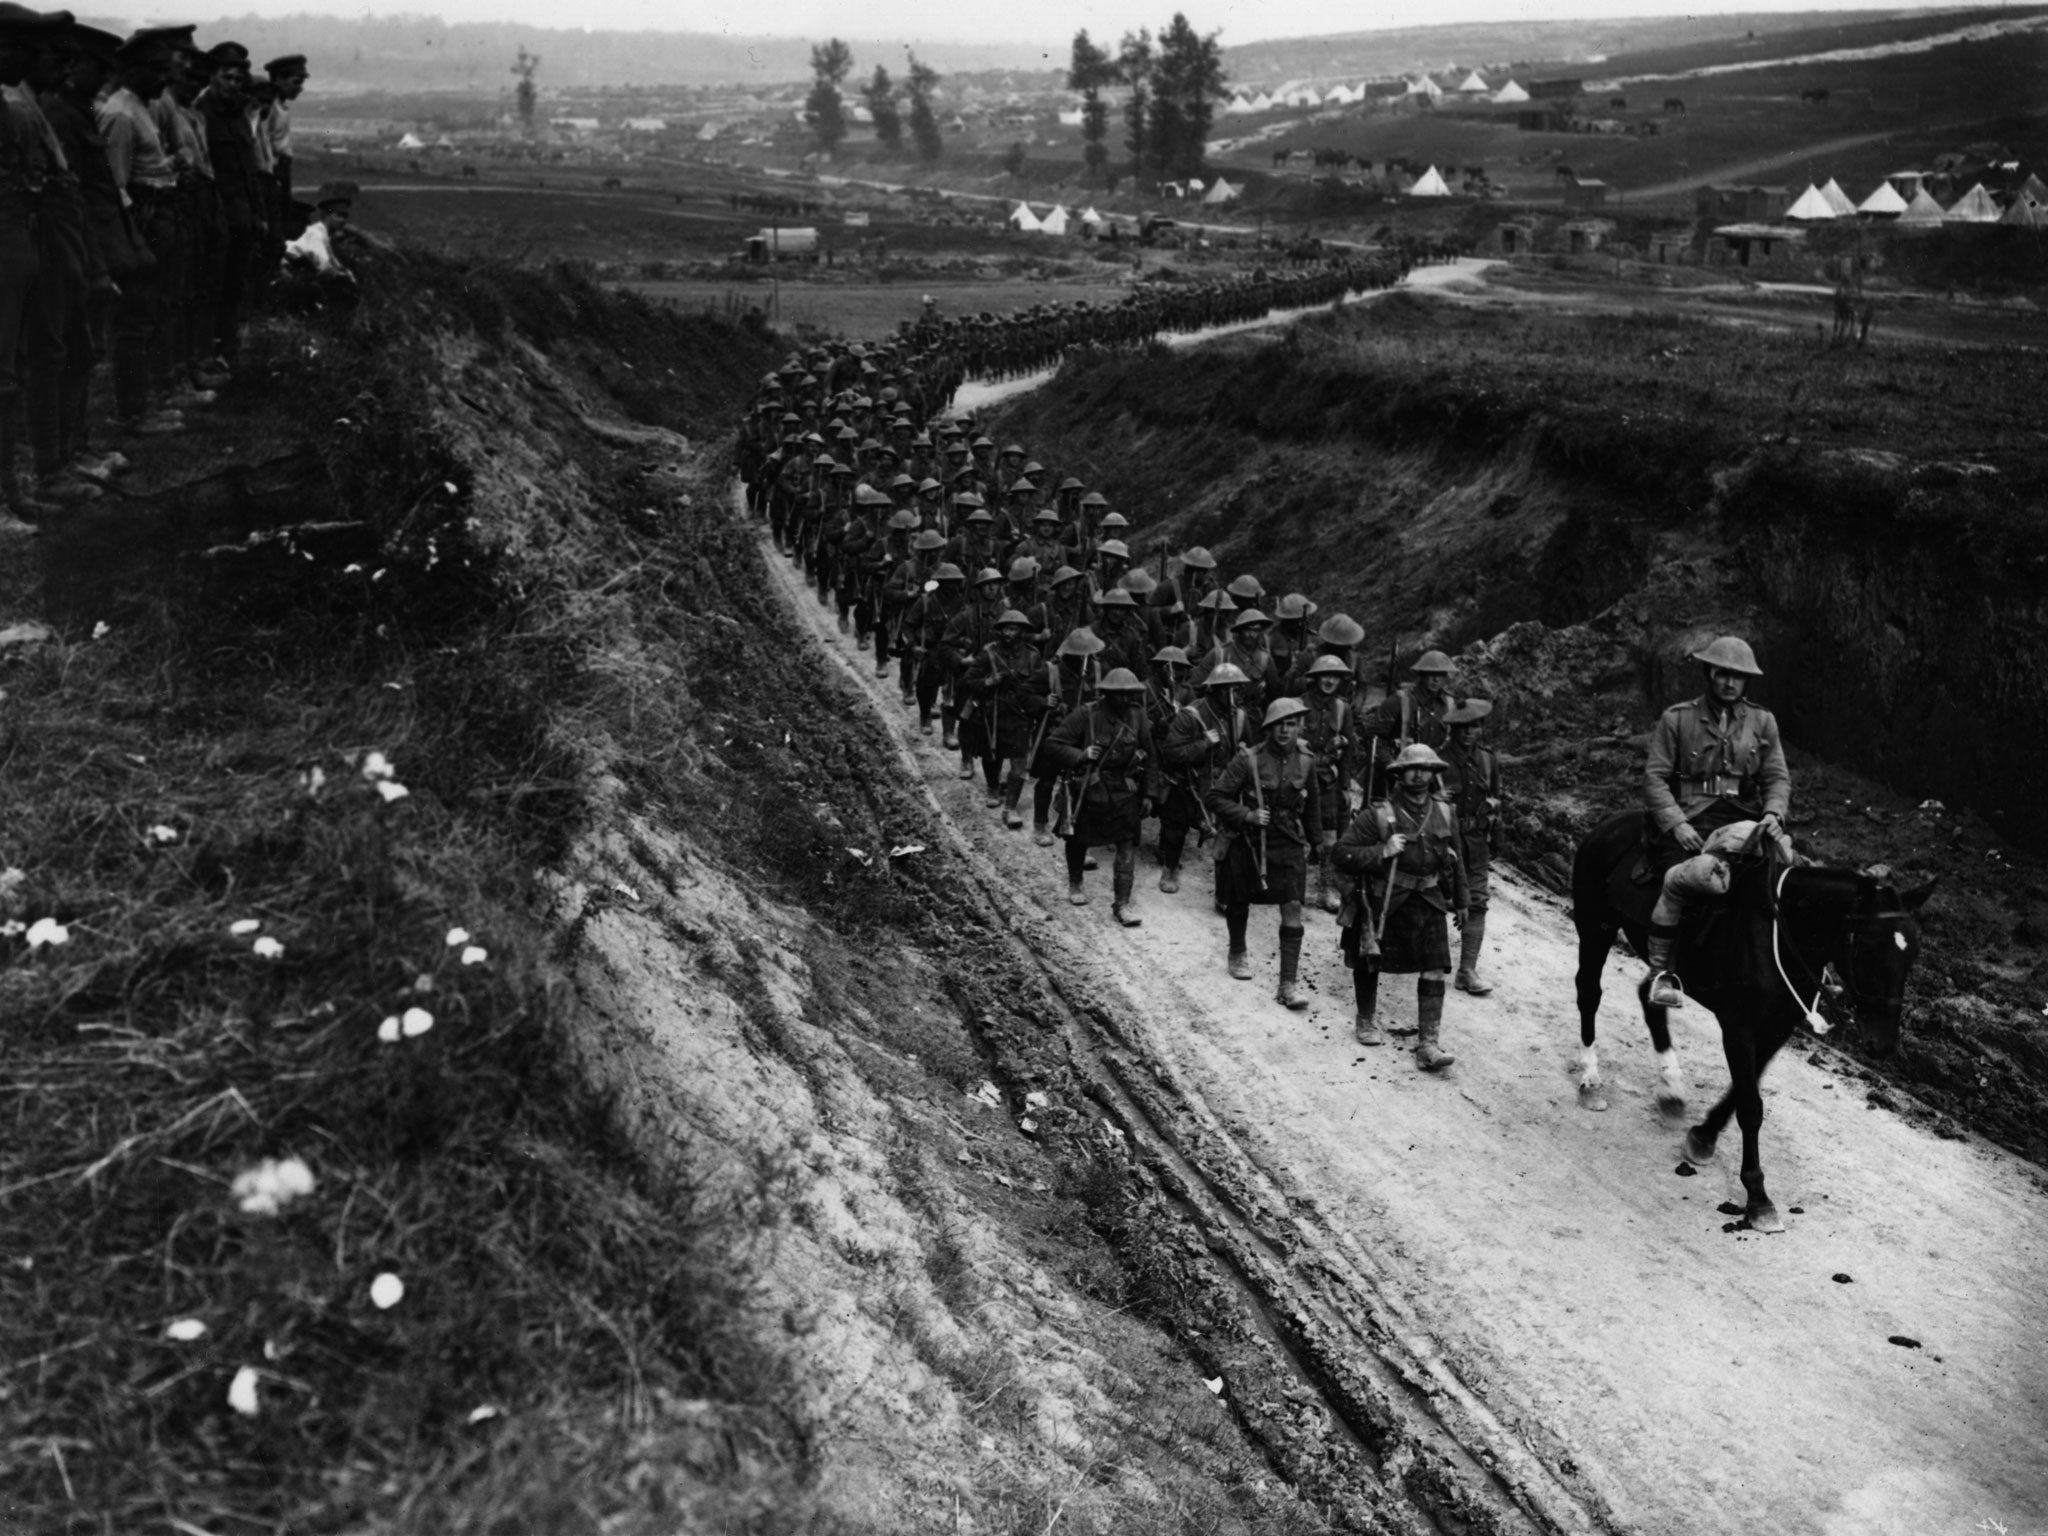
[[1666, 990]]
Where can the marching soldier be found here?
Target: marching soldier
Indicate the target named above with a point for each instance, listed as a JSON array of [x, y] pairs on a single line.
[[1716, 778], [1404, 852], [1209, 626], [1290, 643], [1107, 747], [1327, 731], [1265, 801], [1415, 711], [1472, 784], [1200, 739], [1124, 640], [1071, 677], [893, 575], [930, 619], [973, 546], [1008, 686], [1246, 650], [973, 627], [1067, 606]]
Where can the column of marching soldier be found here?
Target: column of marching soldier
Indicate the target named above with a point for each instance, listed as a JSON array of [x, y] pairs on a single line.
[[1021, 633], [145, 204]]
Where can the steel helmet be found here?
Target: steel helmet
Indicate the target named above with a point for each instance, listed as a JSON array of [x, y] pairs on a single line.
[[1022, 487], [1023, 568], [1116, 597], [1246, 586], [1139, 582], [1081, 642], [1065, 574], [981, 515], [1010, 618], [1730, 655], [1095, 499], [898, 521], [1115, 547], [948, 571], [1014, 448], [1471, 712], [1325, 666], [1417, 755], [1286, 709], [1071, 484], [1295, 606], [1249, 617], [1226, 672], [968, 499], [1218, 600], [929, 539], [1113, 520], [1121, 680], [987, 575], [1198, 559], [1046, 515], [1340, 629], [1432, 661], [1173, 654]]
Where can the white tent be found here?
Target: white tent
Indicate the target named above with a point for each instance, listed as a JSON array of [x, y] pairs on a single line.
[[1509, 94], [1424, 86], [1071, 119], [1431, 185], [1837, 199], [1238, 106], [1195, 183], [1089, 216], [1884, 203], [1472, 85], [1021, 217], [1811, 206], [1054, 223], [1262, 102], [2025, 213], [1923, 212], [412, 141], [1222, 192], [1973, 207]]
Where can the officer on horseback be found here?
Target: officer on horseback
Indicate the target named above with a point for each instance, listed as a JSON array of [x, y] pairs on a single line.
[[1716, 779]]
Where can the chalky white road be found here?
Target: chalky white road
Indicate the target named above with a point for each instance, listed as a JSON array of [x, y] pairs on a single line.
[[1881, 1367]]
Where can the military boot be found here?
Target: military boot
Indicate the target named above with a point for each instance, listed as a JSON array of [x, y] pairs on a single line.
[[1240, 965], [1365, 1024], [1120, 885], [1665, 990], [1328, 896], [1430, 1055], [1169, 879], [1470, 941], [952, 736], [1013, 792], [1290, 996], [1041, 834]]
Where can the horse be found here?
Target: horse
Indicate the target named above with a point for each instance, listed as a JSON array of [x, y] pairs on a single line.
[[1759, 968]]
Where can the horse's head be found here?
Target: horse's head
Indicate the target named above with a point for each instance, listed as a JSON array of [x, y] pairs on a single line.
[[1883, 938]]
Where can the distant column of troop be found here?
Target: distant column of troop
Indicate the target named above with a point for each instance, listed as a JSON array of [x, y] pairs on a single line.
[[1091, 696], [146, 205]]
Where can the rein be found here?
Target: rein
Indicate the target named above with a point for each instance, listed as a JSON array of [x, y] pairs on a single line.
[[1815, 1022]]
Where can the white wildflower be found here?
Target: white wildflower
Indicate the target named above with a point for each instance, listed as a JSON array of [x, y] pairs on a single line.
[[185, 1330], [475, 954], [388, 1031], [377, 766], [242, 927], [386, 1291], [271, 1185], [353, 568], [315, 779], [267, 948], [101, 630], [12, 928], [47, 930], [484, 1411], [457, 936], [242, 1392], [163, 834], [391, 792], [416, 1022], [449, 487]]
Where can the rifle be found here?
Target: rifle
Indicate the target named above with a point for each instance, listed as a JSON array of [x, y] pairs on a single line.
[[1064, 823], [1258, 796]]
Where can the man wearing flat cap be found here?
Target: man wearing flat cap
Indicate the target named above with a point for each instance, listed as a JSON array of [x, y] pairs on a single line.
[[287, 78], [243, 187], [32, 169]]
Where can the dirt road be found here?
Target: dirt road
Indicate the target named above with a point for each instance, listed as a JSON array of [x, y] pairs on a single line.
[[1580, 1320]]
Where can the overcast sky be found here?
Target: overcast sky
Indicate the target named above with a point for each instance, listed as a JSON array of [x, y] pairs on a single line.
[[1051, 22]]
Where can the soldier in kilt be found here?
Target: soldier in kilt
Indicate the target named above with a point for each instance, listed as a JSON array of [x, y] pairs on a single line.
[[1329, 732], [1265, 801], [1200, 738], [1007, 685], [1107, 747], [1404, 852], [1071, 676]]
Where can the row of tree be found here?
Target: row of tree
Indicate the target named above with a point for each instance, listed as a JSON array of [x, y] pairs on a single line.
[[825, 107], [1175, 81]]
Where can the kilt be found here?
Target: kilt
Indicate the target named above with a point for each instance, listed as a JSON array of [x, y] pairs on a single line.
[[1329, 795], [1180, 808], [1109, 815], [1417, 938], [1237, 872]]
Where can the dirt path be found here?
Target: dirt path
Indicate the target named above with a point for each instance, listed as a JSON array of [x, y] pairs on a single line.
[[1570, 1311]]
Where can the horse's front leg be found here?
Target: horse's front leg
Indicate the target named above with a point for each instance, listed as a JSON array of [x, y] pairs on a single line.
[[1745, 1072], [1593, 948]]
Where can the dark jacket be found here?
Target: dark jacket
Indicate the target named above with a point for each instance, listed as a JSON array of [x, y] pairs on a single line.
[[1285, 785], [1429, 867]]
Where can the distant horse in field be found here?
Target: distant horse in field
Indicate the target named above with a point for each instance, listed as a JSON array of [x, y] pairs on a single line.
[[1818, 96], [1674, 105], [1757, 966]]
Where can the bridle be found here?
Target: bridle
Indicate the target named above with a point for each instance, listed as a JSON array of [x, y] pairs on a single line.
[[1814, 1020]]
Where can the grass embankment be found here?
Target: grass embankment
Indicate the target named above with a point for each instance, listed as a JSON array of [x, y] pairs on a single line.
[[260, 962]]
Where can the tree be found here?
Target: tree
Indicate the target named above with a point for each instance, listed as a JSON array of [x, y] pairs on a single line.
[[880, 95], [924, 123], [1134, 68], [824, 110], [1013, 158], [526, 97], [1089, 70], [1187, 80]]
